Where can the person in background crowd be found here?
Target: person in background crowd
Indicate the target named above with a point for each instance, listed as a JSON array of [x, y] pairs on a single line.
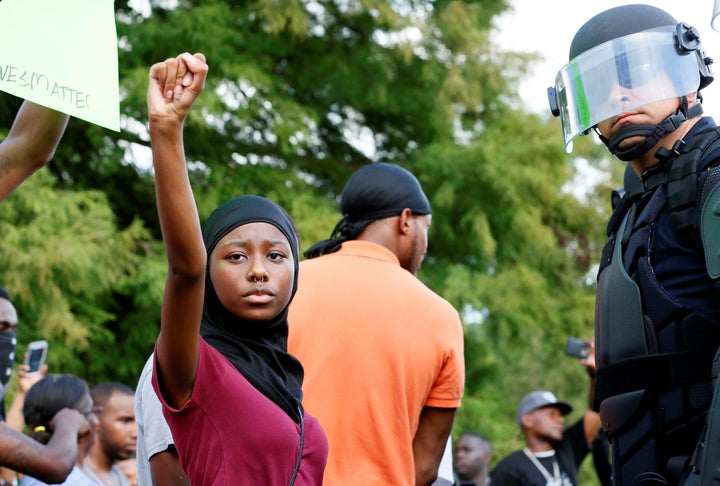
[[15, 417], [472, 457], [18, 453], [552, 455], [43, 401], [8, 344], [115, 434]]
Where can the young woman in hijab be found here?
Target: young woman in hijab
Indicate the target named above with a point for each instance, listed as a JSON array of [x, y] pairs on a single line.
[[230, 391], [46, 398]]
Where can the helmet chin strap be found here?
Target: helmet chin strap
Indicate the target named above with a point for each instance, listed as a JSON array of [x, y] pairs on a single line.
[[652, 133]]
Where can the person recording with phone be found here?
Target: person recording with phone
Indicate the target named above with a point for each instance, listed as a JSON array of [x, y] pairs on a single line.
[[552, 454]]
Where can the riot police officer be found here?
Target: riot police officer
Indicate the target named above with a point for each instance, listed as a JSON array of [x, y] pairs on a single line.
[[634, 78]]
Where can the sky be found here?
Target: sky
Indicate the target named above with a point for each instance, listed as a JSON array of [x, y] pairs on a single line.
[[548, 26]]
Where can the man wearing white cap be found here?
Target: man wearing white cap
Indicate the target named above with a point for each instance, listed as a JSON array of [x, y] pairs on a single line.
[[552, 455]]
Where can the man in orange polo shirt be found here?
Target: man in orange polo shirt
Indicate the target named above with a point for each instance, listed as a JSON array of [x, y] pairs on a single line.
[[383, 354]]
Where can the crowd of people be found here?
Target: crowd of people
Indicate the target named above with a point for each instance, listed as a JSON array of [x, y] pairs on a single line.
[[75, 434], [345, 368]]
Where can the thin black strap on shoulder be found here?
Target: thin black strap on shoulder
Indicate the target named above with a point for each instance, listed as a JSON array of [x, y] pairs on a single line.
[[302, 445]]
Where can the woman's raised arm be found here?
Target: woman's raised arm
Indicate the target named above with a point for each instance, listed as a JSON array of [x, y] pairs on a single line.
[[174, 86]]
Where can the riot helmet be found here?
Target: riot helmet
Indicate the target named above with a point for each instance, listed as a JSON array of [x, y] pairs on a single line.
[[638, 49]]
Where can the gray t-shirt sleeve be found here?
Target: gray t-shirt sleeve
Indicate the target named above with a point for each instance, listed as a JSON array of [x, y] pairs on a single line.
[[153, 432]]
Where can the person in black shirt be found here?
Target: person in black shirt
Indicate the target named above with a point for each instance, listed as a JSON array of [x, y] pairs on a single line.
[[552, 455]]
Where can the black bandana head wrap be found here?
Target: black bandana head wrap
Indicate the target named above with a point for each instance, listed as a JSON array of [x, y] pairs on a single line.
[[257, 349], [375, 191]]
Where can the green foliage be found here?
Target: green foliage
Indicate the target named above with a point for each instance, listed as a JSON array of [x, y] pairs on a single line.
[[66, 264]]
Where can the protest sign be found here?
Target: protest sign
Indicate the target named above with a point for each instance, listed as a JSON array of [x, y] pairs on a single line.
[[62, 54]]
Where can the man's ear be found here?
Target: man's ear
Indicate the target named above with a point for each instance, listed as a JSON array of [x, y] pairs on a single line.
[[692, 98], [404, 224], [526, 420]]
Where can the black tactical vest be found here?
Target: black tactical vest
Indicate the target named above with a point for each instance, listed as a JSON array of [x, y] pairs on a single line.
[[646, 339]]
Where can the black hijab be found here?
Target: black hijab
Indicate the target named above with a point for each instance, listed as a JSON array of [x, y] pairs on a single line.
[[257, 349], [375, 191]]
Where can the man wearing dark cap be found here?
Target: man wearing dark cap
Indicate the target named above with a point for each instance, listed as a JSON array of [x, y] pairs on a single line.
[[383, 354], [552, 455]]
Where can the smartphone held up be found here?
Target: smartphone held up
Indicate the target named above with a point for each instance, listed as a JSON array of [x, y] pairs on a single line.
[[35, 356], [577, 348]]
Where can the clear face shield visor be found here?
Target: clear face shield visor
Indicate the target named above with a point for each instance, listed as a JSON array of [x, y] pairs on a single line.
[[619, 76]]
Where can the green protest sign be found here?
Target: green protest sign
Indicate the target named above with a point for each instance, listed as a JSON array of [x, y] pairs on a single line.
[[63, 55]]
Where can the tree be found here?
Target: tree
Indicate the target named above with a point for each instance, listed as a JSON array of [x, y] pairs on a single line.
[[69, 268]]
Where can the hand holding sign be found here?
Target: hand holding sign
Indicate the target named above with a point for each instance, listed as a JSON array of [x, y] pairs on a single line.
[[65, 58]]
